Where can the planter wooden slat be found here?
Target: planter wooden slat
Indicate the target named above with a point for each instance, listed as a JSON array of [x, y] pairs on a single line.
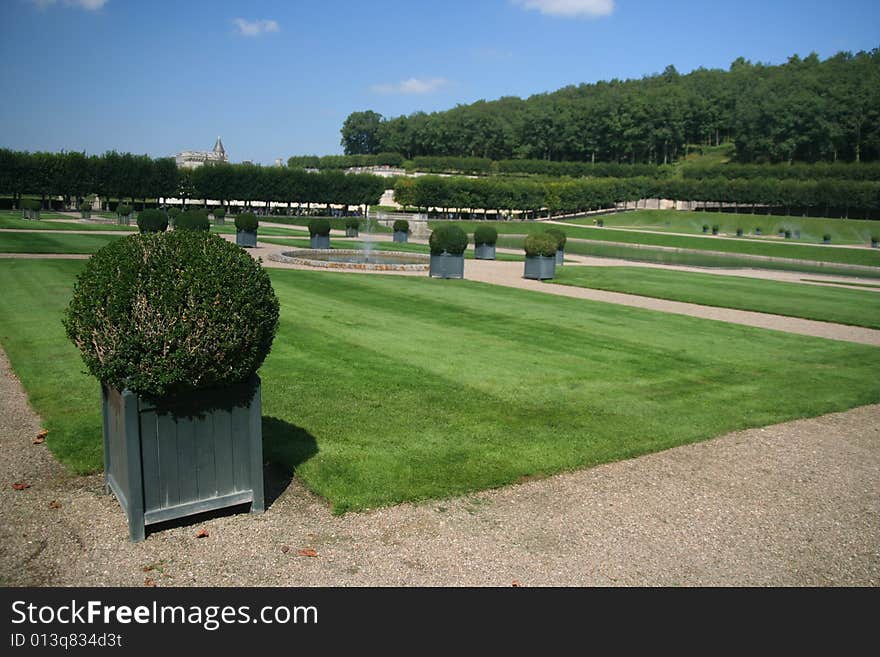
[[223, 452]]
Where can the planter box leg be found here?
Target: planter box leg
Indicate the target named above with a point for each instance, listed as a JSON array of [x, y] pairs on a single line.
[[258, 504]]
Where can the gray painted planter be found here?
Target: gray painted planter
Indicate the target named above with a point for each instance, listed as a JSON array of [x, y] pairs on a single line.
[[560, 257], [124, 221], [33, 215], [219, 221], [401, 236], [484, 251], [446, 265], [540, 267], [246, 238], [351, 232], [319, 241], [162, 466], [85, 214]]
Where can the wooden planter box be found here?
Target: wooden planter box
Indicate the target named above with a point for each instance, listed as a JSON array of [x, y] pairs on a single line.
[[219, 221], [319, 241], [32, 215], [484, 251], [560, 257], [401, 236], [351, 232], [85, 214], [540, 267], [246, 238], [163, 464], [446, 265], [123, 221]]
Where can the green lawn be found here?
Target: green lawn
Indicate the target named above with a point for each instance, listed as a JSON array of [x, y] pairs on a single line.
[[381, 389], [732, 245], [844, 306], [53, 242], [842, 231], [337, 223], [8, 220]]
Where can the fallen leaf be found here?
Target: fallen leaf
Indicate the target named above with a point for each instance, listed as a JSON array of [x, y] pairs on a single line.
[[203, 533], [41, 437], [285, 549], [54, 504], [20, 485], [149, 581], [516, 582], [307, 552]]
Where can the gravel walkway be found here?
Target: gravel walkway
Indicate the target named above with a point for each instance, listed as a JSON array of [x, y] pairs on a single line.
[[792, 504]]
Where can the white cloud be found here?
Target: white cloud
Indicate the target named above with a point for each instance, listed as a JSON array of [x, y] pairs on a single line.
[[410, 86], [570, 8], [88, 5], [254, 28]]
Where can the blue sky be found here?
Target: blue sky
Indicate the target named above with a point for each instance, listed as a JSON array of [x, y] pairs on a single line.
[[278, 78]]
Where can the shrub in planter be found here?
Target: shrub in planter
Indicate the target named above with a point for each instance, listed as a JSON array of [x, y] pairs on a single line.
[[757, 231], [787, 234], [485, 238], [85, 210], [192, 220], [174, 326], [600, 223], [219, 216], [152, 221], [173, 214], [540, 251], [739, 232], [875, 241], [448, 244], [352, 226], [319, 233], [826, 239], [560, 238], [123, 214], [30, 209], [401, 230], [246, 225], [715, 229], [705, 228]]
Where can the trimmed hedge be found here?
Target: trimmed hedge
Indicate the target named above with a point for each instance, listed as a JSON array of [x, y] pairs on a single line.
[[319, 226], [485, 235], [192, 220], [247, 221], [123, 210], [401, 225], [85, 206], [152, 221], [168, 313], [540, 244], [448, 238], [219, 213], [353, 222], [559, 236], [30, 204]]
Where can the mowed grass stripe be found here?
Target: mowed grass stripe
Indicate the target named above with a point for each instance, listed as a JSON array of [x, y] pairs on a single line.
[[382, 389], [50, 242], [826, 304]]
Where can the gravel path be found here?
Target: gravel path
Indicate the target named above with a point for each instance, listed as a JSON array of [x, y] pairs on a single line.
[[792, 504]]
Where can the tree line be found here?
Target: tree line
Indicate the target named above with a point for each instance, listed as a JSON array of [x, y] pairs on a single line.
[[804, 110]]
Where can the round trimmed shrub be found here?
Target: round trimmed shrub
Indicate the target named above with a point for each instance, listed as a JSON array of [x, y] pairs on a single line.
[[353, 222], [123, 210], [247, 221], [174, 212], [30, 204], [85, 206], [219, 213], [485, 235], [192, 220], [152, 221], [319, 226], [540, 244], [448, 238], [401, 225], [559, 236], [169, 313]]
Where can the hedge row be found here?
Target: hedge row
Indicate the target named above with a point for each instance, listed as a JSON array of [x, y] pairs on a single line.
[[818, 171], [344, 161]]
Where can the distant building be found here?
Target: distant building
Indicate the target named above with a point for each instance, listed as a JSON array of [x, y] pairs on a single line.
[[195, 159]]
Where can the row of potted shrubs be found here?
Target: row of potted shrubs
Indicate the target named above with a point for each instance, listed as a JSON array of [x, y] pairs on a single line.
[[156, 221]]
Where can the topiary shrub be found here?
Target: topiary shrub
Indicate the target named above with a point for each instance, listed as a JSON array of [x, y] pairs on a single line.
[[705, 228], [170, 313], [715, 229], [559, 236], [826, 238], [123, 210], [174, 212], [247, 221], [353, 222], [485, 235], [192, 220], [401, 225], [152, 221], [30, 208], [319, 226], [219, 214], [85, 206], [540, 244], [448, 238]]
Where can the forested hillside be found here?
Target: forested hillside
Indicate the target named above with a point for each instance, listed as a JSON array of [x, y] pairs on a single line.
[[804, 110]]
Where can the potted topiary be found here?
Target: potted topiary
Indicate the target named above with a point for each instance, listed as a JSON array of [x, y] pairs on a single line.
[[715, 229], [739, 232], [123, 215], [152, 221], [192, 220], [485, 238], [219, 216], [705, 228], [787, 233], [826, 239], [875, 241], [173, 214], [246, 225], [401, 230], [30, 209], [448, 243], [757, 230], [352, 226], [600, 223], [319, 233], [560, 238], [174, 326], [540, 251], [85, 210]]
